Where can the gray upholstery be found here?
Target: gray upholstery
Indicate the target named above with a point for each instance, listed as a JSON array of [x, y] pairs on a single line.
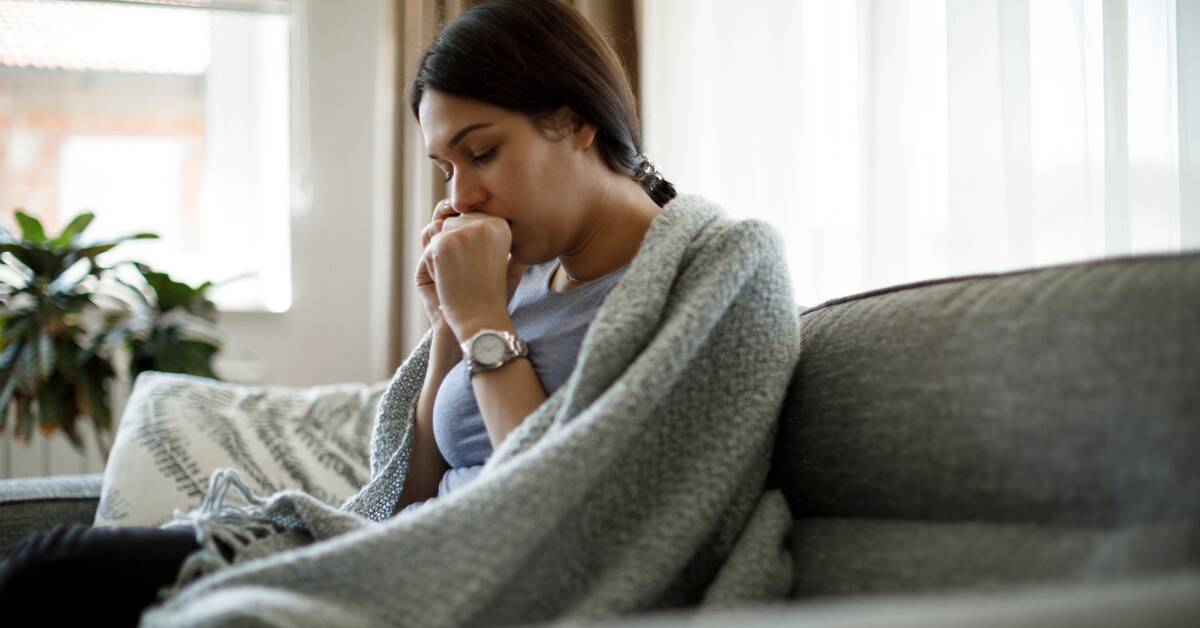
[[1169, 600], [835, 556], [985, 429], [956, 450], [33, 504]]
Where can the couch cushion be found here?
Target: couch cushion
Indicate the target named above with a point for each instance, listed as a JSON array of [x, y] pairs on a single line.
[[1065, 395], [30, 505], [836, 556], [1170, 600]]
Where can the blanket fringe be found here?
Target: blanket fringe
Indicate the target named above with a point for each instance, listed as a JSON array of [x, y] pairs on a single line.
[[214, 520]]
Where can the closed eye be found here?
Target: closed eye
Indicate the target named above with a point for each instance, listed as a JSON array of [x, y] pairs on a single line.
[[483, 157], [478, 159]]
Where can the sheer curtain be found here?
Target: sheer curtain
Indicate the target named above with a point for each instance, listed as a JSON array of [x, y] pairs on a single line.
[[894, 141]]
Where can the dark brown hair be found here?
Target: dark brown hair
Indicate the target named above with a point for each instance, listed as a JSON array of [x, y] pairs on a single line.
[[532, 57]]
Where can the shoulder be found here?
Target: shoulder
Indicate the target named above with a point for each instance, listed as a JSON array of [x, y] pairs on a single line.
[[751, 252], [726, 235], [714, 224]]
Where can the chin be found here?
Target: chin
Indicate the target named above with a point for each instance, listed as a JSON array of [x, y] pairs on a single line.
[[522, 258]]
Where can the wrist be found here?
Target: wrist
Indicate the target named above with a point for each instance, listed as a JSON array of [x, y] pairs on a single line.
[[445, 343], [469, 327]]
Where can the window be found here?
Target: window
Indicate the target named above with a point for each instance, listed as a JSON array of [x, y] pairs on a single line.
[[173, 119], [899, 140]]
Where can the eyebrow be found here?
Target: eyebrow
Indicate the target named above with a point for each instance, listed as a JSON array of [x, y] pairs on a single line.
[[458, 136]]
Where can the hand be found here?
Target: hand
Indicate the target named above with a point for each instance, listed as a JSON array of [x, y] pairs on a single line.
[[471, 269], [426, 287]]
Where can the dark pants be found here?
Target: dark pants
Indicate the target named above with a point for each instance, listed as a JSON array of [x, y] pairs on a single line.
[[105, 576]]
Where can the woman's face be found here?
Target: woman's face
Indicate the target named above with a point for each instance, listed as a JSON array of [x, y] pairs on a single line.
[[507, 165]]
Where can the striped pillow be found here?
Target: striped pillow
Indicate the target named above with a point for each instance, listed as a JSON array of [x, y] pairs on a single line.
[[177, 429]]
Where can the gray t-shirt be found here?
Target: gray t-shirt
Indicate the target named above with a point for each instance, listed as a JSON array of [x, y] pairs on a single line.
[[553, 325]]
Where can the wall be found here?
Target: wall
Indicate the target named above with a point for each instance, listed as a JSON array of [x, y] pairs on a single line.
[[336, 329]]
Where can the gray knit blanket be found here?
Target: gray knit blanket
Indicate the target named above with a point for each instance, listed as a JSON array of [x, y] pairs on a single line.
[[638, 486]]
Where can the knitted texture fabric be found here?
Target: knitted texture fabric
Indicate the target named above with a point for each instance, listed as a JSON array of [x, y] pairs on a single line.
[[638, 486]]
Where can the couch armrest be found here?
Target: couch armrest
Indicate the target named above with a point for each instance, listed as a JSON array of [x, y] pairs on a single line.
[[29, 505]]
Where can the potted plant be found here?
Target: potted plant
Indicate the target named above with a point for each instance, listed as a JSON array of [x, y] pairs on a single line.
[[170, 327], [52, 369]]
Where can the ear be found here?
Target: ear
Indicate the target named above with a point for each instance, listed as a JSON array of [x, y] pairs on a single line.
[[573, 125], [584, 134]]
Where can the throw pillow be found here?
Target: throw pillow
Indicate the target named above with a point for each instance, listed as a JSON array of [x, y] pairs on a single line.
[[177, 429]]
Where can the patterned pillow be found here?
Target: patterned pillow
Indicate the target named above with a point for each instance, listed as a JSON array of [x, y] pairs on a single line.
[[177, 429]]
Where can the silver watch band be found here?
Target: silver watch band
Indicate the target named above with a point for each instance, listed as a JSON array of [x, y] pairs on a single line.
[[514, 348]]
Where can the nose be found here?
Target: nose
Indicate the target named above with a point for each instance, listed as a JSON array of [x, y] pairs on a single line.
[[466, 195]]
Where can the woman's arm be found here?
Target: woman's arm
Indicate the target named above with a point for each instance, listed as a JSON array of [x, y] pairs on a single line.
[[508, 394], [426, 464]]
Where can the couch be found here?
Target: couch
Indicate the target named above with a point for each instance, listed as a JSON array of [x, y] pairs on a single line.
[[987, 449]]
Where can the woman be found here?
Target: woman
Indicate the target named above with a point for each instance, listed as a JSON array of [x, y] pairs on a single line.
[[550, 196]]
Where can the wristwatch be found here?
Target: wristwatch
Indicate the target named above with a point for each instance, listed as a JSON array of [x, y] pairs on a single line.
[[492, 348]]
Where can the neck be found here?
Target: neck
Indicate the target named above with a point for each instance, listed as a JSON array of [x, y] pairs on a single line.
[[612, 238]]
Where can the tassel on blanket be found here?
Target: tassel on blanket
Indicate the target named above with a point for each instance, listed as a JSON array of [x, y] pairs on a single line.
[[214, 520]]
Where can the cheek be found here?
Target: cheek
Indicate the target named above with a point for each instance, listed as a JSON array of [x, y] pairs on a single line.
[[534, 235]]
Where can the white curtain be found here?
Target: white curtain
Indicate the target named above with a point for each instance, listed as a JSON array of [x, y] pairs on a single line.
[[899, 140]]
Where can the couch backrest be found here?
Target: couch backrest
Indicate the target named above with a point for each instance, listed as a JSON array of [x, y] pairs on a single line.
[[988, 429]]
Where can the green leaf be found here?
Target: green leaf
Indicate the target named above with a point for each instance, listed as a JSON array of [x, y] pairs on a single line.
[[186, 356], [94, 250], [34, 260], [8, 384], [23, 430], [97, 248], [14, 326], [60, 409], [11, 352], [136, 290], [25, 370], [31, 228], [77, 225], [170, 293], [90, 382], [14, 266], [46, 355], [66, 282], [228, 280], [66, 365], [49, 407], [70, 419]]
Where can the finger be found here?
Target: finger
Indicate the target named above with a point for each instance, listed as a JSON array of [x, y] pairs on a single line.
[[428, 262], [444, 209], [430, 230], [422, 269]]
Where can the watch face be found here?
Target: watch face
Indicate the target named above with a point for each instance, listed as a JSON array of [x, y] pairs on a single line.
[[488, 348]]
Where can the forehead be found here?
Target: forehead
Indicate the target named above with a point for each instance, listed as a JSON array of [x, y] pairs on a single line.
[[442, 115]]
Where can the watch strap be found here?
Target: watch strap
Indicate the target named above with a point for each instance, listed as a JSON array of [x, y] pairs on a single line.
[[514, 348]]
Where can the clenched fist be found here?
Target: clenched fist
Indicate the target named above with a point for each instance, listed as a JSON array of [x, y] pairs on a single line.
[[466, 272]]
